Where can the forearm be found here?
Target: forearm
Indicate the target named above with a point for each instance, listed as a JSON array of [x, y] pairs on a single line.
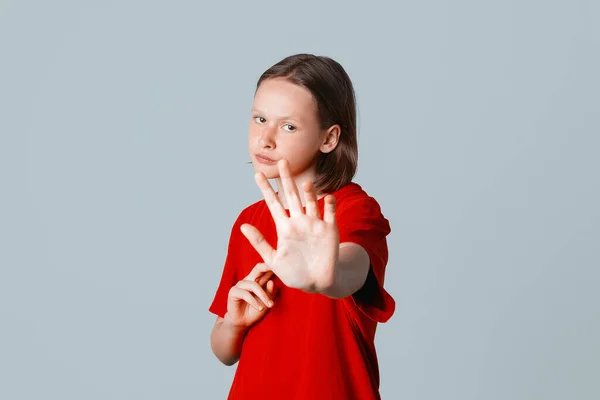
[[226, 341], [350, 272]]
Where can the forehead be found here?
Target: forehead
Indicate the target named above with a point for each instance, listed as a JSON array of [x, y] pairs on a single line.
[[279, 97]]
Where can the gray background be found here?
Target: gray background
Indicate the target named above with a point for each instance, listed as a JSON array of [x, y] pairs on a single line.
[[123, 165]]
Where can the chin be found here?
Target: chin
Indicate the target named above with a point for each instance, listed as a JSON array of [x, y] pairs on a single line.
[[270, 171]]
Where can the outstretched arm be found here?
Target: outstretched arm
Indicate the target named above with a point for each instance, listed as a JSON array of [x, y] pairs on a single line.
[[309, 255], [351, 270]]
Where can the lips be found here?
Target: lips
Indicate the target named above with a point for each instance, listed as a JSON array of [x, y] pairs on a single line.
[[264, 159]]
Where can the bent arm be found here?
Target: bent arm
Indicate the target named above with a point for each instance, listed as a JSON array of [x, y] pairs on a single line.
[[226, 341]]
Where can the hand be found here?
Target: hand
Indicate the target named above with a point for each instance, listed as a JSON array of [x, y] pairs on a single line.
[[248, 302], [307, 246]]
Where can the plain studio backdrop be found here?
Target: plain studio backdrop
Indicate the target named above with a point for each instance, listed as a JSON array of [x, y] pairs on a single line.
[[124, 164]]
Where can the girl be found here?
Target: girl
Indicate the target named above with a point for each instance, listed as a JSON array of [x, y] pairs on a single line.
[[302, 287]]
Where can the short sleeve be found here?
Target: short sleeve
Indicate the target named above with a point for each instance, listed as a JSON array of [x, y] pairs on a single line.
[[229, 276], [362, 222]]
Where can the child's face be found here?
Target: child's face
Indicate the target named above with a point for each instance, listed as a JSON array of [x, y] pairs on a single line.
[[284, 125]]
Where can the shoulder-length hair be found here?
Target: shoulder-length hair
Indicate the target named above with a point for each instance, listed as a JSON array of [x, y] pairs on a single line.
[[334, 93]]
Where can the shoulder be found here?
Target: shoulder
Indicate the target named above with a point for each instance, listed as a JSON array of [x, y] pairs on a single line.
[[356, 210], [353, 196]]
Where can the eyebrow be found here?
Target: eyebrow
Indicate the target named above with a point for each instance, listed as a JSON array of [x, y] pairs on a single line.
[[286, 117]]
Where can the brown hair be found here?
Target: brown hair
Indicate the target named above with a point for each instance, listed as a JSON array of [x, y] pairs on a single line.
[[332, 89]]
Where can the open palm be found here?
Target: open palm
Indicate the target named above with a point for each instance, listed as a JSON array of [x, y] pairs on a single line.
[[307, 246]]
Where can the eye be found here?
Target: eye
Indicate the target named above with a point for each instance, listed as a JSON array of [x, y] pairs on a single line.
[[289, 128], [260, 120]]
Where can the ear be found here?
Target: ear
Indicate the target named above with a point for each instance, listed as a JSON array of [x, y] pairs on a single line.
[[331, 139]]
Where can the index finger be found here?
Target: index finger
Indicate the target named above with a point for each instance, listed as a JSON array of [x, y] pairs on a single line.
[[290, 189], [261, 272], [273, 203]]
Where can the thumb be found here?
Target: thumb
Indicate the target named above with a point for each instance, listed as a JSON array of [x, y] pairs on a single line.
[[272, 289]]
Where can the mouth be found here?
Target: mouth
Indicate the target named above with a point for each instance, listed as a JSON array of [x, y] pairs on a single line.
[[264, 159]]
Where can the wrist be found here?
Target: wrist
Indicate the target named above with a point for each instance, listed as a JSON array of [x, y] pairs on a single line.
[[324, 287], [329, 286], [232, 326]]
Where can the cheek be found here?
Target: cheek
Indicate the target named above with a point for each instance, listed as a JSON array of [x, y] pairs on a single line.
[[252, 131], [302, 152], [306, 145]]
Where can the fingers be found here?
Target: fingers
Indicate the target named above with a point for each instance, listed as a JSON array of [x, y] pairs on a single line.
[[264, 278], [247, 290], [237, 293], [312, 205], [329, 209], [258, 241], [289, 188], [273, 203], [261, 273]]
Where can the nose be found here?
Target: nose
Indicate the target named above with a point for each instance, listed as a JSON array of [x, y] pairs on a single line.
[[267, 137]]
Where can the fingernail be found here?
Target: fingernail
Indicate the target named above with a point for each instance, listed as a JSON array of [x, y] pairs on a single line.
[[271, 303]]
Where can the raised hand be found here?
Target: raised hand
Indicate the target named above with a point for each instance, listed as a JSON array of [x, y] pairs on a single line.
[[307, 246], [248, 301]]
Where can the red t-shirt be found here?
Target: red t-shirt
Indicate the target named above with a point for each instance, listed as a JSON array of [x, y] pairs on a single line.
[[309, 346]]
